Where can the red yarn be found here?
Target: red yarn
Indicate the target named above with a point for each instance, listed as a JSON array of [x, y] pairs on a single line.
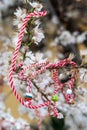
[[58, 86]]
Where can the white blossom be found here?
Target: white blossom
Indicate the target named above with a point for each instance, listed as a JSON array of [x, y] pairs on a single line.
[[83, 75], [30, 58], [20, 15], [36, 5], [4, 64], [15, 40], [33, 58], [9, 122], [43, 79], [39, 57], [2, 105], [81, 38], [66, 38], [38, 35]]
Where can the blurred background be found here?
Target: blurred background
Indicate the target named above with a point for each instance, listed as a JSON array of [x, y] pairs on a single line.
[[65, 30]]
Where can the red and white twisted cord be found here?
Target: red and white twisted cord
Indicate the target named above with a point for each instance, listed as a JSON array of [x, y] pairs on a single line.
[[41, 68], [20, 37]]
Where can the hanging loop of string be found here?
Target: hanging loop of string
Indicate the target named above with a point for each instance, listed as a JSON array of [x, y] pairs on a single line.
[[42, 67]]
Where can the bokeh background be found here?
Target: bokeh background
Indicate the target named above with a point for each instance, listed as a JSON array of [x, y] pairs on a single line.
[[66, 19]]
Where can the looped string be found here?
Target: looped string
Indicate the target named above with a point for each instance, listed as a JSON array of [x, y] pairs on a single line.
[[42, 67]]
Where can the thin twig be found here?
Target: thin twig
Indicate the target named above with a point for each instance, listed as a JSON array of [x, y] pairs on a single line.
[[39, 90]]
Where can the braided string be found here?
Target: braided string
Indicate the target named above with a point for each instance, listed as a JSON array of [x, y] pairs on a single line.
[[42, 68]]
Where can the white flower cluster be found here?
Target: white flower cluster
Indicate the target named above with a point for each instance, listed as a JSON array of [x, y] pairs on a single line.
[[8, 122], [36, 5], [33, 58], [67, 38], [83, 75], [31, 113], [20, 15], [76, 117], [43, 80], [38, 34], [5, 58]]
